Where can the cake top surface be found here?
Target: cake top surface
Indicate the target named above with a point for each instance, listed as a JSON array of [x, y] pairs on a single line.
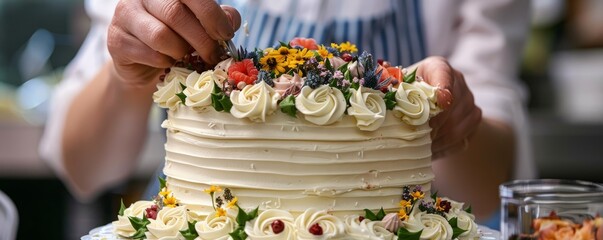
[[317, 83]]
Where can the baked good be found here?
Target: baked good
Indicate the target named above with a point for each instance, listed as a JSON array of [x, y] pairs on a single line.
[[299, 141]]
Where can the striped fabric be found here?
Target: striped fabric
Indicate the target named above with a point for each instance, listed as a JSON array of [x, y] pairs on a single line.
[[394, 32]]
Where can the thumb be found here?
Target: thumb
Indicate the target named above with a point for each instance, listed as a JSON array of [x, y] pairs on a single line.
[[233, 16]]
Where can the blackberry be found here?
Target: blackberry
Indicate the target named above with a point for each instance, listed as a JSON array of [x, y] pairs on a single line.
[[264, 76]]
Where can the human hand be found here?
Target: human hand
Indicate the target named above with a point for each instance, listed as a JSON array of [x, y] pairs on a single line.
[[147, 36], [453, 127]]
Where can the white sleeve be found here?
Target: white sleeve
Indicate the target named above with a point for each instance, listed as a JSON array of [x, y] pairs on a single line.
[[89, 60], [484, 41]]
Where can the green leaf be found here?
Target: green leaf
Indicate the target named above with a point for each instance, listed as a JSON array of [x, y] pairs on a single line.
[[253, 214], [368, 214], [225, 102], [347, 75], [284, 44], [122, 208], [139, 234], [434, 195], [138, 223], [238, 234], [162, 183], [242, 217], [403, 233], [390, 100], [410, 78], [288, 106], [380, 214], [333, 83], [456, 231], [343, 68], [328, 65], [191, 232], [219, 100], [468, 209], [182, 97]]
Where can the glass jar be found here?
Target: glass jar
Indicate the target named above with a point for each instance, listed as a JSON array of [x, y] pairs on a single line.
[[524, 201]]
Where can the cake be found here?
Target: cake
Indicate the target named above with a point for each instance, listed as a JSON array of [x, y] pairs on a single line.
[[298, 141]]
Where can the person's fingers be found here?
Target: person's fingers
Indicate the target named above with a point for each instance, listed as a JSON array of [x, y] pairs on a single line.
[[457, 132], [233, 15], [438, 73], [155, 34], [184, 22], [212, 18]]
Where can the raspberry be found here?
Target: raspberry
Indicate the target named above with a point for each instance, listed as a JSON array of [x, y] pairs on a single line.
[[243, 71], [315, 229], [277, 226], [346, 57], [151, 212]]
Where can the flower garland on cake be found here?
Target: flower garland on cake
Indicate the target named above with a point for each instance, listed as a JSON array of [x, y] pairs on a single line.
[[419, 217], [303, 79]]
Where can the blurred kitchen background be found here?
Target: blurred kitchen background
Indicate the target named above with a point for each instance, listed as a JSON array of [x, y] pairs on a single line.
[[562, 67]]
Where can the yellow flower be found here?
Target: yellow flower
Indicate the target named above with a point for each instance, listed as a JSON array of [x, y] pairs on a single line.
[[274, 63], [284, 51], [164, 192], [170, 201], [347, 47], [417, 195], [220, 212], [323, 52], [232, 202], [212, 189], [299, 58], [402, 214], [405, 204]]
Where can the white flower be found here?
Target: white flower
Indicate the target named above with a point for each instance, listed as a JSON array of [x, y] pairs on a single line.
[[122, 226], [367, 229], [412, 105], [169, 223], [331, 226], [465, 220], [368, 107], [260, 227], [224, 65], [199, 88], [434, 226], [216, 228], [322, 106], [356, 69], [165, 96], [336, 62], [254, 102]]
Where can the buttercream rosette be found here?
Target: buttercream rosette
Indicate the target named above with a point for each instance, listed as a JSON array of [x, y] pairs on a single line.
[[368, 107], [332, 227], [167, 90], [260, 227], [168, 224], [123, 227], [366, 229], [433, 226], [254, 102], [322, 106], [199, 88], [216, 227], [412, 105]]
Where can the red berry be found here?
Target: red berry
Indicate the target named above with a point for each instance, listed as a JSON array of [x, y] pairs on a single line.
[[277, 226], [380, 61], [151, 212], [346, 57], [243, 71], [360, 218], [315, 229]]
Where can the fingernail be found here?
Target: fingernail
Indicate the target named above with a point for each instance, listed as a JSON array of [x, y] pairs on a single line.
[[229, 32]]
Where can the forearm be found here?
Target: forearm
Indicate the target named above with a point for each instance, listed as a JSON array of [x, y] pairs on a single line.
[[105, 129], [473, 176]]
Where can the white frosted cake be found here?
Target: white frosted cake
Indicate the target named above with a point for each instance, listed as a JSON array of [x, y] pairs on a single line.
[[300, 141]]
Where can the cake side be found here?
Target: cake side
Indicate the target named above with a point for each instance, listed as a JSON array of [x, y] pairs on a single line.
[[288, 163]]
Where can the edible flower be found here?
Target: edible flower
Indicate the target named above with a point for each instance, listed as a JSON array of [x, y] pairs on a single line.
[[212, 189], [170, 201], [405, 203], [220, 212], [164, 192], [418, 194], [345, 47], [232, 202], [308, 43], [402, 214]]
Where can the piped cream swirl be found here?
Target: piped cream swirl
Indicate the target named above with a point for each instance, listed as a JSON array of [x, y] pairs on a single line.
[[322, 106], [368, 107], [169, 223], [260, 227], [199, 88], [412, 105], [332, 227], [122, 226], [165, 96], [254, 102]]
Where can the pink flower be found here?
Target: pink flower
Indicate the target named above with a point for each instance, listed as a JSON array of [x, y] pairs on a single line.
[[308, 43]]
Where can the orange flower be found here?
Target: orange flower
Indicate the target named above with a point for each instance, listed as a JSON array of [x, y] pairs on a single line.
[[308, 43], [243, 71]]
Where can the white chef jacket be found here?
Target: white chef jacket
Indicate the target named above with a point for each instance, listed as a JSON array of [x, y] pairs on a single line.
[[481, 39]]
